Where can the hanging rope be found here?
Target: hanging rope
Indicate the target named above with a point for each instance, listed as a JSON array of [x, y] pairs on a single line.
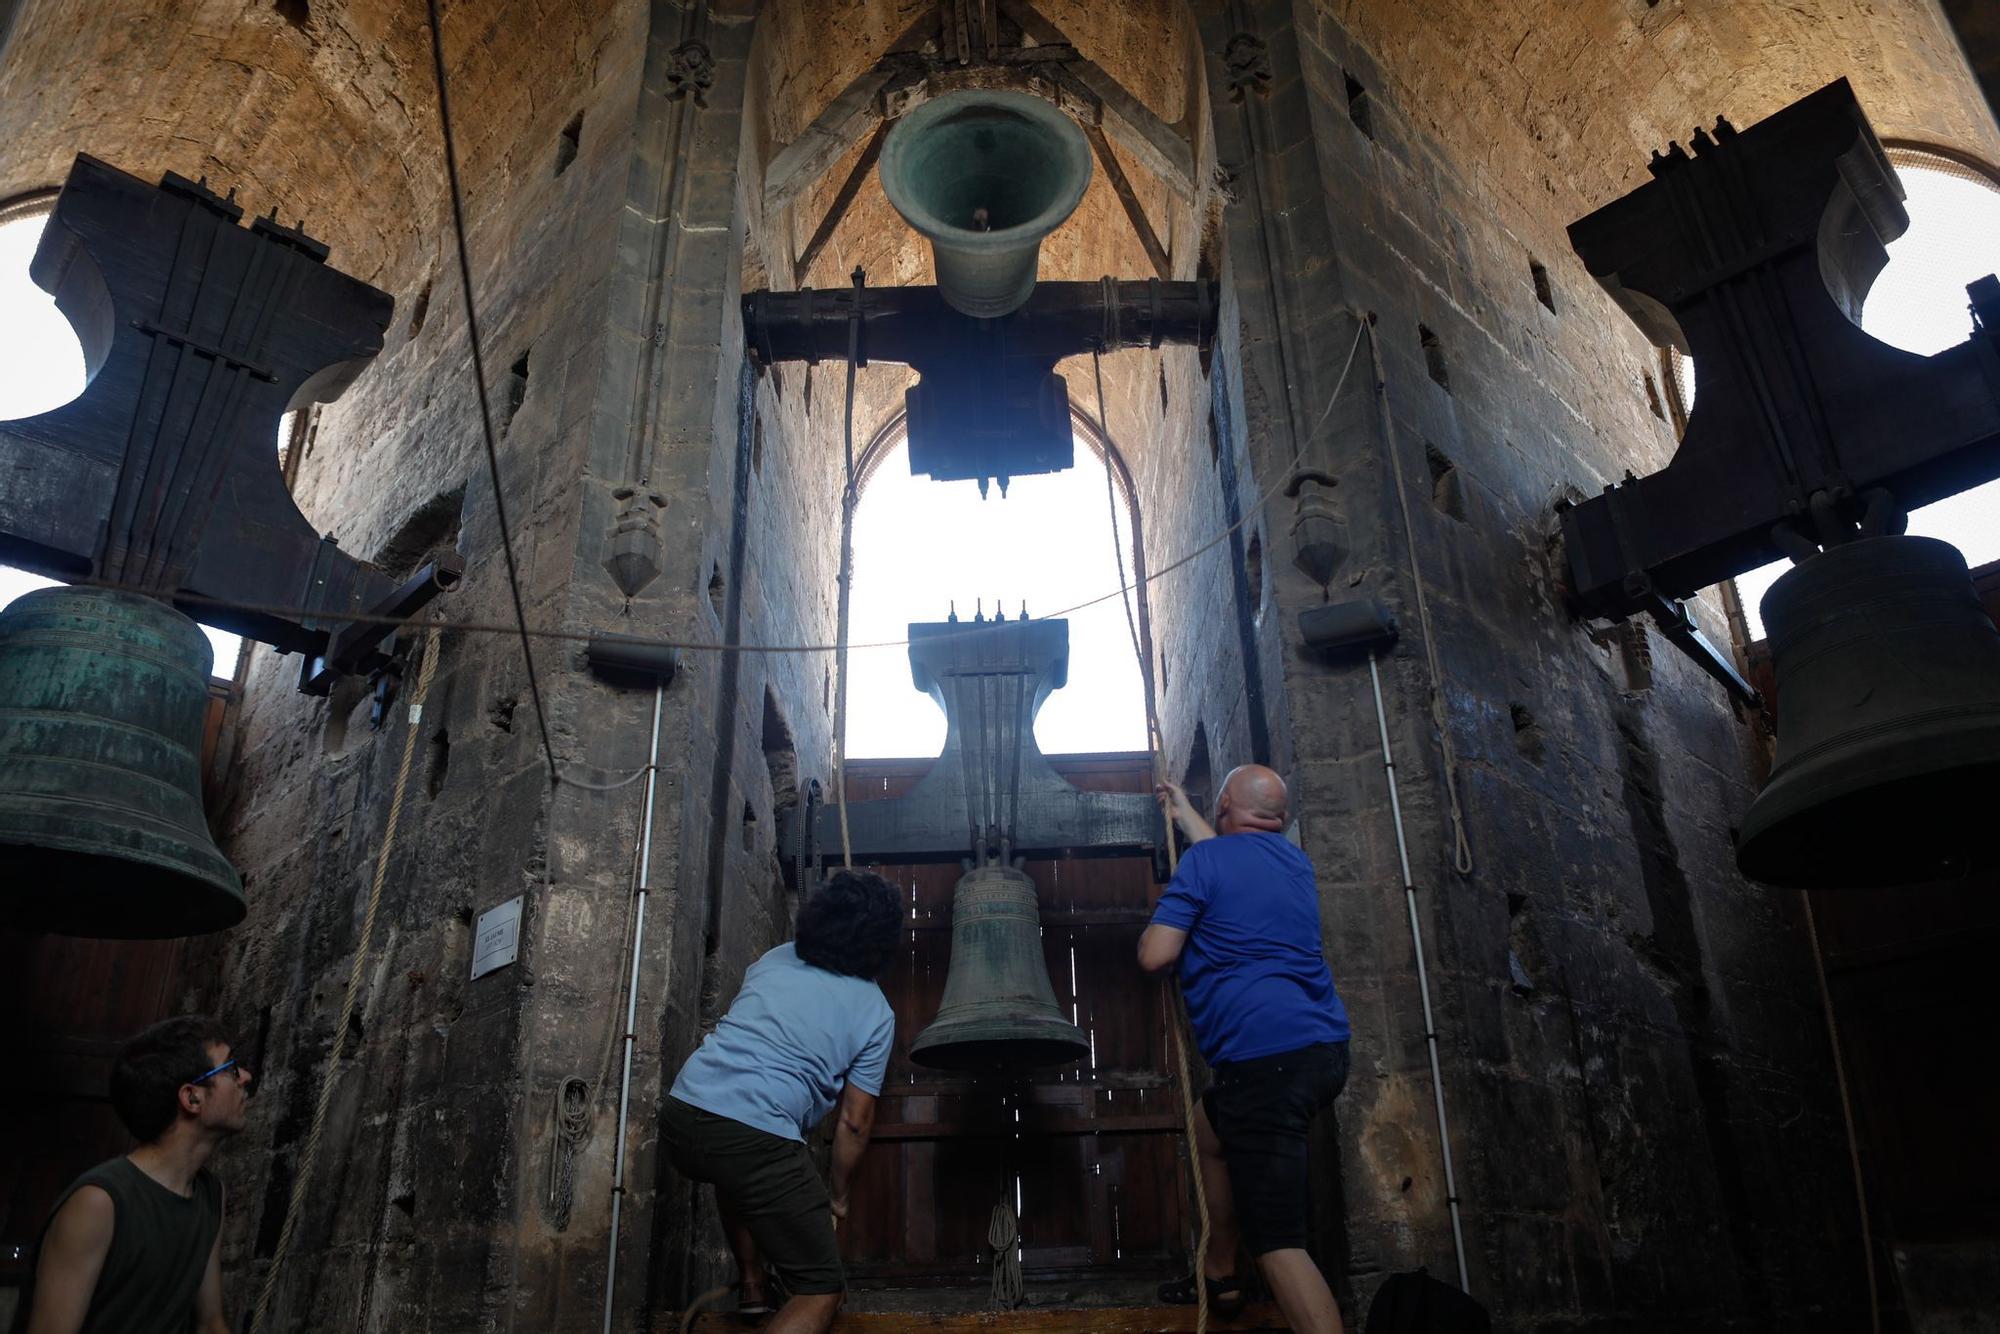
[[479, 387], [1461, 846], [1155, 745], [849, 497], [1139, 625], [1846, 1115], [1003, 1233], [309, 1151]]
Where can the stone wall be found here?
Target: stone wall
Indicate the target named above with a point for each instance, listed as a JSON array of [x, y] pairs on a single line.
[[1629, 1032], [421, 1211]]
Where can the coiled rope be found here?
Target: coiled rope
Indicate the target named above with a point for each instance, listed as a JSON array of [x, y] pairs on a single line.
[[570, 1118], [309, 1152], [1003, 1232]]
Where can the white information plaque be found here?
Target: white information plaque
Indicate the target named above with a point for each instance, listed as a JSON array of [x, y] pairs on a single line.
[[496, 937]]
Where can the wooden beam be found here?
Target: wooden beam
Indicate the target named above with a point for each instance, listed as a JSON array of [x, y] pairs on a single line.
[[849, 116], [960, 1128], [842, 201], [824, 142], [1156, 145], [1134, 213], [1256, 1318]]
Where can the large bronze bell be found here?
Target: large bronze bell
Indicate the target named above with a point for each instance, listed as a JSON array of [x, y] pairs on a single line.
[[1888, 695], [102, 698], [999, 1011], [984, 176]]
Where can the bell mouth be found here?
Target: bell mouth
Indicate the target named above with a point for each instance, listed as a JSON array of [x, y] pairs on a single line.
[[1011, 155], [138, 895], [969, 1051], [1930, 827]]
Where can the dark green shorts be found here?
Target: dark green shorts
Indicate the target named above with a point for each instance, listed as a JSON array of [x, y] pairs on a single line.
[[769, 1183]]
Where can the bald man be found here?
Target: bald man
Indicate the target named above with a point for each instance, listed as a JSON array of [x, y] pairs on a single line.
[[1241, 918]]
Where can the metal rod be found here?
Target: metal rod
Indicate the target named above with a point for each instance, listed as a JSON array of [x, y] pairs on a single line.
[[1014, 769], [1423, 980], [963, 721], [988, 779], [632, 1005]]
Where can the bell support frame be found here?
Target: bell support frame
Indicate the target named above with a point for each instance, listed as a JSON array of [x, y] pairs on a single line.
[[162, 477], [1754, 255]]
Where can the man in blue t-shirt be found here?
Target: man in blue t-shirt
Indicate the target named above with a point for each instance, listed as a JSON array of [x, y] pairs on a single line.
[[809, 1028], [1241, 917]]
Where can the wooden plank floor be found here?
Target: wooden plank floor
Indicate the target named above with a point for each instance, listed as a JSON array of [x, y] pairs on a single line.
[[1256, 1318]]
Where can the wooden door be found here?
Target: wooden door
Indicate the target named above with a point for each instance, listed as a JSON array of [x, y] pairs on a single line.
[[1091, 1154]]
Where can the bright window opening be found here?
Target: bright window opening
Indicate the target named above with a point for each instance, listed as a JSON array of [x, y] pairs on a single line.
[[41, 363], [920, 546], [1918, 303]]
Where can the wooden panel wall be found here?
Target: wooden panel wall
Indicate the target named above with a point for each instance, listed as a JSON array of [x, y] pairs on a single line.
[[1091, 1153]]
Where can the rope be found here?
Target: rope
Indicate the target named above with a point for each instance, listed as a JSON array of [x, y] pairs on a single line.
[[479, 384], [569, 1119], [695, 1307], [1461, 846], [1003, 1232], [309, 1152], [328, 616], [1846, 1113], [1176, 1013], [849, 498], [1156, 743]]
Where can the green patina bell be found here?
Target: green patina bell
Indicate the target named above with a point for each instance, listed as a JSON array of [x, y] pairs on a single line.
[[999, 1011], [102, 700], [984, 176]]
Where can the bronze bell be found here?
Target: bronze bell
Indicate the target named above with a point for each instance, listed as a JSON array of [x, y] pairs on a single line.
[[102, 700], [1888, 696], [999, 1011], [984, 175]]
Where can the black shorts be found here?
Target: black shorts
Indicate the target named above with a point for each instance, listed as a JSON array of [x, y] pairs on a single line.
[[770, 1184], [1261, 1110]]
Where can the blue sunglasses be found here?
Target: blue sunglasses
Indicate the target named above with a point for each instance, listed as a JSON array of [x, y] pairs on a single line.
[[207, 1075]]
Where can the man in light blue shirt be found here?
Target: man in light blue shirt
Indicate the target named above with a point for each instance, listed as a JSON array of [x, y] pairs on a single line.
[[809, 1029]]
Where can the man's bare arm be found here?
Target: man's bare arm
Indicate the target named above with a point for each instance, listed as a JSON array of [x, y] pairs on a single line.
[[1160, 947], [853, 1123], [208, 1297], [73, 1251]]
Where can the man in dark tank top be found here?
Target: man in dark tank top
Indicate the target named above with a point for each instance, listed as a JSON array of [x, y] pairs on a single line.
[[132, 1246]]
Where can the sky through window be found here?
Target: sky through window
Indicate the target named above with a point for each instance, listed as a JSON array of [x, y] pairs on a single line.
[[920, 546]]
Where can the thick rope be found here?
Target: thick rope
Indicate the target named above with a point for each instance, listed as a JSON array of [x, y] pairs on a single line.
[[1155, 744], [309, 1152], [1846, 1114], [1461, 846], [700, 1304], [479, 387], [849, 498], [1003, 1233], [326, 617], [569, 1124]]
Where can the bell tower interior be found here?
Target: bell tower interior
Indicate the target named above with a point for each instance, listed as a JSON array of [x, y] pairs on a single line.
[[1356, 363]]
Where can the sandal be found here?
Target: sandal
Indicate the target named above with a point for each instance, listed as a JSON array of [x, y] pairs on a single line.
[[1225, 1295], [743, 1307]]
